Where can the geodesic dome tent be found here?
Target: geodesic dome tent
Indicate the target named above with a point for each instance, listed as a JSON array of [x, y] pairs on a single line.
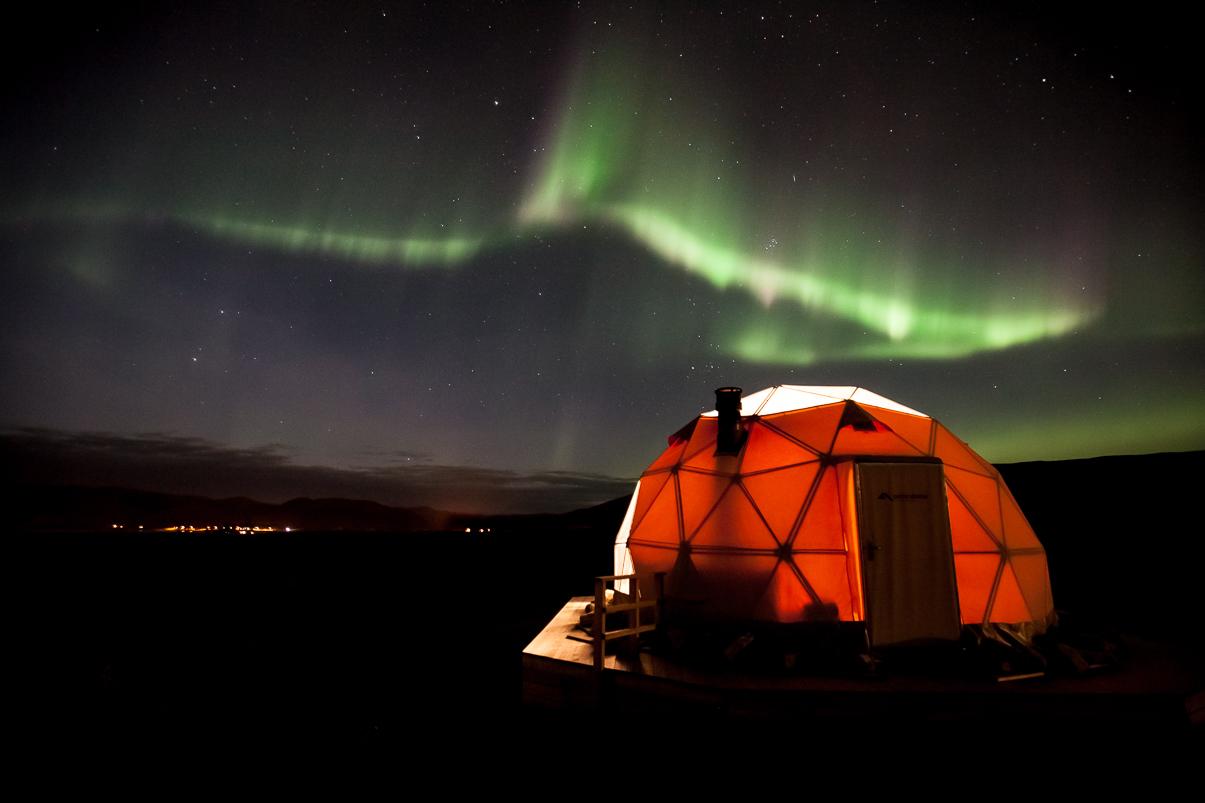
[[804, 503]]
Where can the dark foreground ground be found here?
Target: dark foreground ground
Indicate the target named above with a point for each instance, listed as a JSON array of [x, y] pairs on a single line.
[[367, 639], [310, 636]]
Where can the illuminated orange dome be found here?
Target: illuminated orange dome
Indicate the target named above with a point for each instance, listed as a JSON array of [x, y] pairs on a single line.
[[834, 503]]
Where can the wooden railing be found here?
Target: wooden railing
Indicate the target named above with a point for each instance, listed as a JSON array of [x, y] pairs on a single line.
[[634, 601]]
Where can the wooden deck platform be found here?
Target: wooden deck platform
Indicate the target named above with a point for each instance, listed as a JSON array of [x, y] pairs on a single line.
[[1154, 688]]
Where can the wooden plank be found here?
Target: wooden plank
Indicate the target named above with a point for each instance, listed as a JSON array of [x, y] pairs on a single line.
[[628, 631], [600, 622], [631, 606], [553, 643]]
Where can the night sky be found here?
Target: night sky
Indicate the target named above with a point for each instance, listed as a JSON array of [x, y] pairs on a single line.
[[488, 257]]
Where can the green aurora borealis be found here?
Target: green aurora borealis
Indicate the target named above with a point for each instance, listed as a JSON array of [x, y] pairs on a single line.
[[749, 198], [599, 172]]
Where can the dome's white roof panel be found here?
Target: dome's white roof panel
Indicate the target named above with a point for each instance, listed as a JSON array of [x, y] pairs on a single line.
[[786, 398], [840, 392], [864, 396], [752, 403]]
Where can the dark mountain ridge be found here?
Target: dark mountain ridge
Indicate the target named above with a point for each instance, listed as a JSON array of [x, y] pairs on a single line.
[[76, 508]]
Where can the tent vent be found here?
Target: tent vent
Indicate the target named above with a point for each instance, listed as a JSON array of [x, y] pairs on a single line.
[[731, 435], [854, 416]]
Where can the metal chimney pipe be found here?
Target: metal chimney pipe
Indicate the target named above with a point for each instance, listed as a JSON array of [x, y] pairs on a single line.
[[731, 435]]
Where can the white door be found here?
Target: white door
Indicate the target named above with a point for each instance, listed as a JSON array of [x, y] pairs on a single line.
[[907, 557]]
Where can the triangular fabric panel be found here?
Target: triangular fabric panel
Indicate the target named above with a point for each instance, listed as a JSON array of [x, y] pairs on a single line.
[[841, 392], [813, 427], [751, 404], [651, 559], [750, 569], [623, 565], [828, 577], [700, 494], [864, 396], [779, 495], [954, 452], [734, 524], [1009, 605], [669, 457], [1034, 581], [976, 575], [787, 398], [785, 599], [852, 441], [1017, 532], [966, 533], [660, 523], [734, 584], [822, 526], [629, 516], [623, 558], [683, 580], [647, 490], [981, 495], [914, 429], [699, 452], [765, 448]]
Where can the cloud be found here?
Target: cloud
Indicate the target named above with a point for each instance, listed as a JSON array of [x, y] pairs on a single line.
[[186, 465]]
